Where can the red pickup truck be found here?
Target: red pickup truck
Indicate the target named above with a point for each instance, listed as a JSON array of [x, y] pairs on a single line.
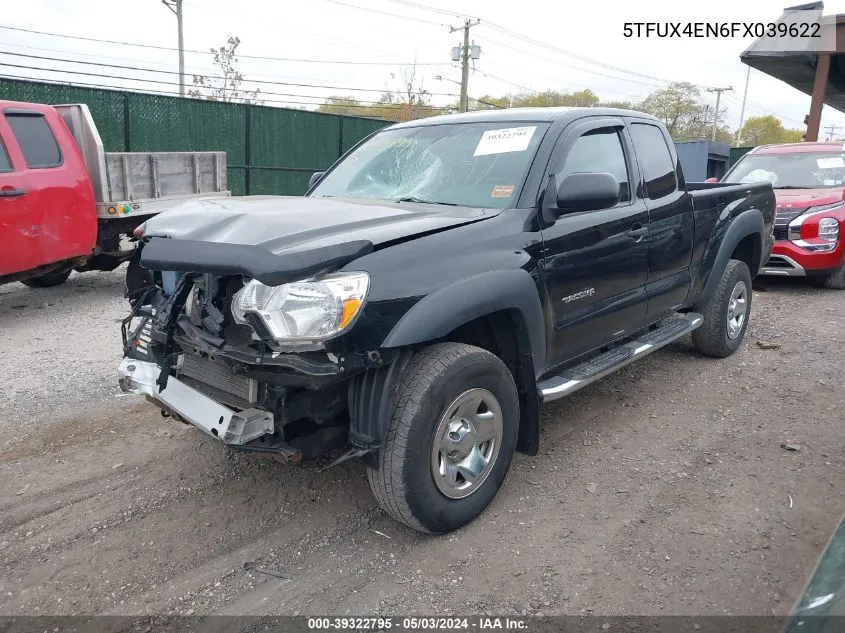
[[65, 204], [809, 184]]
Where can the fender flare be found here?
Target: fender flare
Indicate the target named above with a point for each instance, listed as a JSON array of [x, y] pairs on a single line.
[[448, 308], [747, 223]]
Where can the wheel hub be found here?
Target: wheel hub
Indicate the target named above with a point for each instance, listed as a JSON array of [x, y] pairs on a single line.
[[466, 443], [460, 439]]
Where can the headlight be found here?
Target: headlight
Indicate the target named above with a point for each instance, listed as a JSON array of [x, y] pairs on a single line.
[[794, 230], [303, 311], [829, 229]]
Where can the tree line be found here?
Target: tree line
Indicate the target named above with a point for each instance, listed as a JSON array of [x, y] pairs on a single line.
[[681, 106]]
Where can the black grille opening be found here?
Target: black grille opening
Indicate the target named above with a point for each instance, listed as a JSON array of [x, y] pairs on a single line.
[[777, 262], [781, 233]]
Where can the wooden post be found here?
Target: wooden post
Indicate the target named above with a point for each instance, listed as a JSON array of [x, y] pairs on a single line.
[[817, 100]]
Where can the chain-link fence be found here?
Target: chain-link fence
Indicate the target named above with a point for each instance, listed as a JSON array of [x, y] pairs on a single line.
[[268, 150]]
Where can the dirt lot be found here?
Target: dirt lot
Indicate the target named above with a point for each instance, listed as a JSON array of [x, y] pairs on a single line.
[[660, 490]]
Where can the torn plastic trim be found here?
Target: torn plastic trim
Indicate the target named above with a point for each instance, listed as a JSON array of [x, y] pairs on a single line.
[[228, 426], [192, 338]]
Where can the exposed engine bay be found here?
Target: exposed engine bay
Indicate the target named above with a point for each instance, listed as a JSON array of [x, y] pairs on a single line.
[[185, 352]]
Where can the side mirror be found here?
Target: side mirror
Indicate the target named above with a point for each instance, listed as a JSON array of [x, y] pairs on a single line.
[[314, 178], [584, 191], [712, 180]]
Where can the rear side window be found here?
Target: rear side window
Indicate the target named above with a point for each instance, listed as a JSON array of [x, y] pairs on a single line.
[[655, 159], [35, 139], [5, 165]]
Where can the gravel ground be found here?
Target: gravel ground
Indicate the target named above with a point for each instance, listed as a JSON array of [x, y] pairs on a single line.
[[662, 489], [59, 347]]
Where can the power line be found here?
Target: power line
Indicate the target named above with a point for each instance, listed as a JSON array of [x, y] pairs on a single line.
[[831, 130], [196, 70], [98, 55], [559, 63], [556, 80], [756, 107], [424, 7], [76, 84], [172, 72], [497, 78], [394, 15], [169, 83], [533, 41], [187, 50], [487, 103], [541, 44]]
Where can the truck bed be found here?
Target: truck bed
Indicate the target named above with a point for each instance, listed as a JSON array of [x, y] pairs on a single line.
[[142, 183], [717, 204], [709, 194]]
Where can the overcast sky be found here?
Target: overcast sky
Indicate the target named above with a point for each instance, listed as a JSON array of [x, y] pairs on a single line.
[[381, 45]]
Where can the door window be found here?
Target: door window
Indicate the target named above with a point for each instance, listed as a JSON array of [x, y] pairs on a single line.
[[655, 159], [5, 165], [599, 151], [35, 139]]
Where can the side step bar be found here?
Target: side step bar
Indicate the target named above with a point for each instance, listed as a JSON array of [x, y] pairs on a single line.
[[600, 366]]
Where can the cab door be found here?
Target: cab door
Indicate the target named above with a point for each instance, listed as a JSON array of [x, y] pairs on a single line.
[[596, 262], [672, 224], [47, 209], [21, 240]]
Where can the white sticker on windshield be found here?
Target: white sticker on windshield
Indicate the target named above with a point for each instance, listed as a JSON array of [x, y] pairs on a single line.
[[830, 163], [512, 139]]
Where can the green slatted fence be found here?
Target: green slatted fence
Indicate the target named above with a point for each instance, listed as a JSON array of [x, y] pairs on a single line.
[[268, 150]]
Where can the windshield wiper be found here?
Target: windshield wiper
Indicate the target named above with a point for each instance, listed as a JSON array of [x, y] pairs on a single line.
[[791, 187], [424, 201]]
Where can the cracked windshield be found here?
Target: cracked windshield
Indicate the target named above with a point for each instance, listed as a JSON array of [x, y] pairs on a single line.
[[470, 164]]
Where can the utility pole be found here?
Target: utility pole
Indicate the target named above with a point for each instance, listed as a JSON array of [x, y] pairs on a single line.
[[742, 111], [831, 130], [464, 56], [718, 92], [176, 7]]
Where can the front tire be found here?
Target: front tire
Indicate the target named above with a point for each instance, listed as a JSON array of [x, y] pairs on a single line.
[[48, 280], [725, 313], [450, 440]]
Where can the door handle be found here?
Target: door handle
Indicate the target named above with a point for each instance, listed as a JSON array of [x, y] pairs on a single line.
[[637, 231], [11, 193]]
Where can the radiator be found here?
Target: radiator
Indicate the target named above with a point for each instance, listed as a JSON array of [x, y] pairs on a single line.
[[218, 375]]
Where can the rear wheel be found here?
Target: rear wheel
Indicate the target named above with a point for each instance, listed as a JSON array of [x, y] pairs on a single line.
[[834, 280], [450, 440], [726, 313], [50, 279]]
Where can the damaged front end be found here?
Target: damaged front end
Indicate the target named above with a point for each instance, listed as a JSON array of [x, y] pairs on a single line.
[[246, 362]]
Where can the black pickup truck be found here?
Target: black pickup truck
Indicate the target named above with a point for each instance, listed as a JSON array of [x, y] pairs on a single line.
[[435, 287]]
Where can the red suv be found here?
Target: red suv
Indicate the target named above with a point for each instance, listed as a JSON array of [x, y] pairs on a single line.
[[809, 184]]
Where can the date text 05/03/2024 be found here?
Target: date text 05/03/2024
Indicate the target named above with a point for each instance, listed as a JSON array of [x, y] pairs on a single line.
[[417, 623], [722, 29]]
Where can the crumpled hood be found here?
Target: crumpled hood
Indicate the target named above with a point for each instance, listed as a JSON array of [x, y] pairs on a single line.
[[282, 223], [803, 198]]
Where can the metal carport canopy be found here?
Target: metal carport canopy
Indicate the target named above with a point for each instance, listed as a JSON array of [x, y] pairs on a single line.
[[819, 74]]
